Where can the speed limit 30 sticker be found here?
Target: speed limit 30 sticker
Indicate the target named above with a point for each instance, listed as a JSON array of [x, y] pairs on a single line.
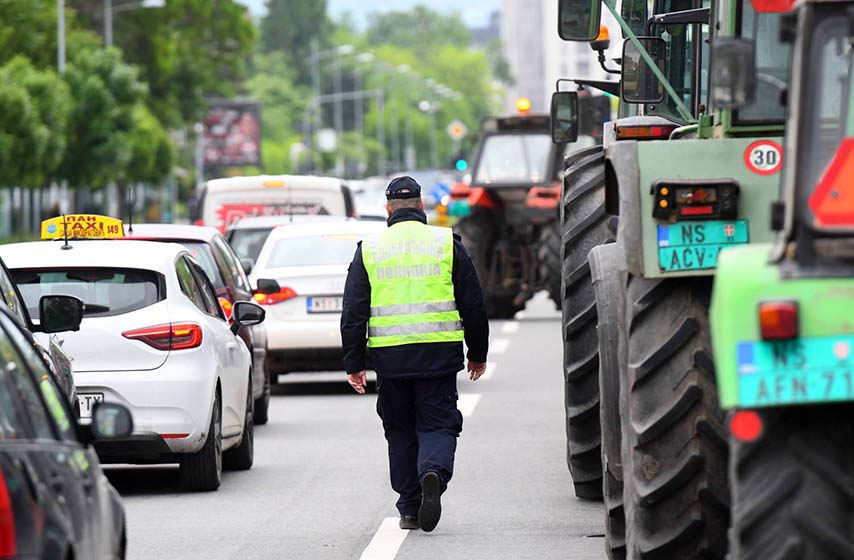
[[764, 157]]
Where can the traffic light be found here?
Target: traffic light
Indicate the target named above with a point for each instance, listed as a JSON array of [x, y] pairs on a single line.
[[462, 164]]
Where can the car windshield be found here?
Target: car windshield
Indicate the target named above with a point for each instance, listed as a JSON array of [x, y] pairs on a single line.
[[247, 243], [508, 158], [105, 292], [203, 253], [331, 249], [772, 67]]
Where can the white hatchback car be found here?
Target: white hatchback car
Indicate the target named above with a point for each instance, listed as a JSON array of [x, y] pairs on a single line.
[[309, 261], [154, 339]]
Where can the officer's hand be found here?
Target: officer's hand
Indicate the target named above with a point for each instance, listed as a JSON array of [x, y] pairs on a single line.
[[358, 381], [475, 369]]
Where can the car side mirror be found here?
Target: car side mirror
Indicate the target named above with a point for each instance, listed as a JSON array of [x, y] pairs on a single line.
[[638, 83], [111, 421], [246, 314], [60, 314], [578, 20], [733, 73], [267, 286], [564, 117], [247, 264]]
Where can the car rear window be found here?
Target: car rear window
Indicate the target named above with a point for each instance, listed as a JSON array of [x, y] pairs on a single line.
[[313, 251], [247, 243], [106, 292]]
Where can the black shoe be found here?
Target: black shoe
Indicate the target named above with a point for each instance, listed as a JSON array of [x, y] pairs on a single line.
[[408, 522], [431, 502]]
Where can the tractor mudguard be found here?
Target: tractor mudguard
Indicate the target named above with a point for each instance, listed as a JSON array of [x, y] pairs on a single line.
[[744, 279], [623, 157]]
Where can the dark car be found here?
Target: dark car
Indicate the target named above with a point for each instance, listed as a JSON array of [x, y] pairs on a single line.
[[228, 277], [57, 360], [55, 502]]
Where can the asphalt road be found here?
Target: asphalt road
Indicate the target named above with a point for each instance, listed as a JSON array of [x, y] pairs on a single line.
[[319, 487]]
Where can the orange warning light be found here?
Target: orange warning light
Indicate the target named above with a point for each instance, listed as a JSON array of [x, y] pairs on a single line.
[[604, 35], [523, 105]]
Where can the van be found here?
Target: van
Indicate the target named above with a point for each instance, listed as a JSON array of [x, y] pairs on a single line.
[[225, 201]]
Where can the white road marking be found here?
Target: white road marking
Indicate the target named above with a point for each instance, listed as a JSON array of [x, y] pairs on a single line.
[[499, 346], [386, 541], [490, 370], [467, 403], [510, 327]]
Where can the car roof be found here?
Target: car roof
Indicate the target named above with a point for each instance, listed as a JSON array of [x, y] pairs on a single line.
[[327, 228], [256, 181], [259, 222], [172, 231], [108, 253]]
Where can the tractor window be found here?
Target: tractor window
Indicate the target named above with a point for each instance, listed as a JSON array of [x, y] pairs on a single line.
[[772, 67], [828, 100], [507, 158]]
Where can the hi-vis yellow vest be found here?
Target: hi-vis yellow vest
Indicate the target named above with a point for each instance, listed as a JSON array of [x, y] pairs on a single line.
[[412, 294]]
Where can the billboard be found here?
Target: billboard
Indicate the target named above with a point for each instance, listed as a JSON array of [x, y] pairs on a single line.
[[232, 135]]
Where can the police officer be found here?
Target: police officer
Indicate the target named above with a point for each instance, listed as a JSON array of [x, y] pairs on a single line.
[[413, 295]]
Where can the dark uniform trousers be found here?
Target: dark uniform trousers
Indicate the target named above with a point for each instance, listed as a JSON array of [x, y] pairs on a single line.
[[421, 424]]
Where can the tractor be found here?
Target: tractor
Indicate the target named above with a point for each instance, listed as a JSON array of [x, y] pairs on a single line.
[[782, 331], [679, 178], [508, 206]]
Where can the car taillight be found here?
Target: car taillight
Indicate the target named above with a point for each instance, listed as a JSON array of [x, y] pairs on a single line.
[[778, 320], [178, 336], [226, 306], [8, 544], [283, 294]]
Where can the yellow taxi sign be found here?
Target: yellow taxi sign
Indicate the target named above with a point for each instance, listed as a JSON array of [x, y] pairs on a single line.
[[82, 226]]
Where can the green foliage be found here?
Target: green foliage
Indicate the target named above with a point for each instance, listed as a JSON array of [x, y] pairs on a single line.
[[152, 154], [34, 107], [420, 29], [290, 26], [106, 92]]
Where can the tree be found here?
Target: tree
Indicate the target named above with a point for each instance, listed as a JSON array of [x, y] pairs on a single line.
[[290, 26], [420, 29], [33, 115]]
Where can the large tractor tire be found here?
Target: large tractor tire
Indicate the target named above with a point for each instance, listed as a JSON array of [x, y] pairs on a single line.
[[478, 237], [793, 488], [584, 225], [609, 287], [674, 444], [548, 257]]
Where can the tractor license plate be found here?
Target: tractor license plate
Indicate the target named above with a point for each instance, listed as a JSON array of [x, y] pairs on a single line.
[[805, 370], [695, 245]]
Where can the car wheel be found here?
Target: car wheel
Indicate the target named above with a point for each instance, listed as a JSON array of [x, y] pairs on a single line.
[[202, 471], [241, 457], [262, 405]]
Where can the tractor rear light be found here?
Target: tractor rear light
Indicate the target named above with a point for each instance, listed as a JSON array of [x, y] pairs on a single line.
[[697, 210], [178, 336], [644, 132], [284, 294], [8, 542], [695, 200], [778, 320], [745, 426], [543, 197], [460, 191]]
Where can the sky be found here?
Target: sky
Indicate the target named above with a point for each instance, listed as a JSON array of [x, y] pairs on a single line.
[[475, 12]]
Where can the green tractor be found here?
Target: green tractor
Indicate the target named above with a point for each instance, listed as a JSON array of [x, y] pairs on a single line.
[[781, 313], [682, 175]]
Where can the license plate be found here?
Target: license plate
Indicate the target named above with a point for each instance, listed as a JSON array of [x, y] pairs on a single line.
[[806, 370], [695, 245], [87, 403], [325, 304]]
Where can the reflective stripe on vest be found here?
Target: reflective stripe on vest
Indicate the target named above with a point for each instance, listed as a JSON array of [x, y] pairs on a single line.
[[410, 269]]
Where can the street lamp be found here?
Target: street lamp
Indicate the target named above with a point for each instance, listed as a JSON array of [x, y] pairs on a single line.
[[109, 10], [314, 60], [363, 58]]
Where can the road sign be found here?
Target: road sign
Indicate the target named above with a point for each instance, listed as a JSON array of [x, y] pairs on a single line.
[[832, 201], [457, 130], [764, 157]]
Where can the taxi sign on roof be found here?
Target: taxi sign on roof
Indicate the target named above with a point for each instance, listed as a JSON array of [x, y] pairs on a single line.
[[832, 201], [82, 226]]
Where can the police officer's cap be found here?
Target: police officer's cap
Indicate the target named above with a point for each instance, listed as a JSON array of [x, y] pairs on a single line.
[[403, 187]]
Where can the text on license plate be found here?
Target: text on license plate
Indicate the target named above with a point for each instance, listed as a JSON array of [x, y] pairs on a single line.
[[695, 245], [325, 304], [806, 370], [87, 403]]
